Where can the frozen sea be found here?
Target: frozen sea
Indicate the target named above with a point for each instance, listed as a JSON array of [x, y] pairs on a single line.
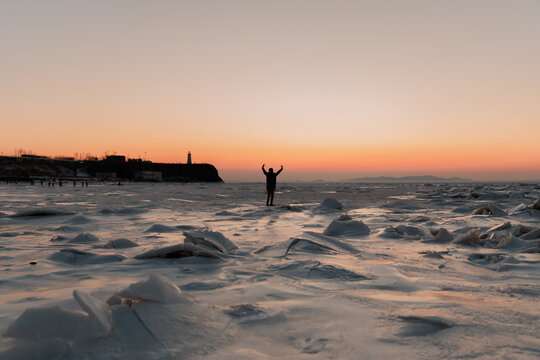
[[206, 271]]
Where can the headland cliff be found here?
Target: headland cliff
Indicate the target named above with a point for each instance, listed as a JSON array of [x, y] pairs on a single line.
[[31, 167]]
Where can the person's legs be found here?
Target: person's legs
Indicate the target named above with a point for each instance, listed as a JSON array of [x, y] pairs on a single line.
[[272, 198], [267, 197]]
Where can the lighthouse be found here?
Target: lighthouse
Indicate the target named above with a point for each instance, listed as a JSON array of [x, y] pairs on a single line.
[[189, 157]]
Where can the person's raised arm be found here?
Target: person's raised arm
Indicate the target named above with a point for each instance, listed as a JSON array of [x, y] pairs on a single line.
[[264, 171], [280, 170]]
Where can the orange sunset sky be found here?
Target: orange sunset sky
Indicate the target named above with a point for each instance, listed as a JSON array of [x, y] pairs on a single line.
[[330, 89]]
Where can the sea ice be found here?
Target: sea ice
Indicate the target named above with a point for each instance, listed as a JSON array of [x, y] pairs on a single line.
[[422, 325], [47, 349], [441, 235], [403, 231], [160, 228], [299, 298], [120, 244], [56, 322], [531, 235], [471, 237], [329, 205], [156, 288], [78, 257], [39, 213], [85, 238], [350, 228], [491, 209], [210, 239], [179, 251]]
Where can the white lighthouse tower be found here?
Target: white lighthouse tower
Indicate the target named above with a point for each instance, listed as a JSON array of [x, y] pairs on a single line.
[[189, 158]]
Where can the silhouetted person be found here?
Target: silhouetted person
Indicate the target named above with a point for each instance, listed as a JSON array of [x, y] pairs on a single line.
[[271, 184]]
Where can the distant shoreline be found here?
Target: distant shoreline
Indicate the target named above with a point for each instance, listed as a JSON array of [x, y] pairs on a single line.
[[115, 168]]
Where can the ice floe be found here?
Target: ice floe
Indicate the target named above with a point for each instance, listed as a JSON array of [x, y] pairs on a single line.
[[203, 243], [441, 235], [347, 227], [78, 257], [156, 288], [490, 209], [179, 251], [210, 239], [308, 242], [329, 205], [84, 238], [404, 231], [120, 244], [57, 322]]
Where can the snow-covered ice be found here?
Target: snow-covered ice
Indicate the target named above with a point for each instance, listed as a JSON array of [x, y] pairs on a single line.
[[206, 271]]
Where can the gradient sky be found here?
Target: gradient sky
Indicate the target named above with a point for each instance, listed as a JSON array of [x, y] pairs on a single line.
[[330, 89]]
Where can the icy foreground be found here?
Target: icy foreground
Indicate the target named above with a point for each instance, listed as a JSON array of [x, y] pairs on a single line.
[[344, 271]]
